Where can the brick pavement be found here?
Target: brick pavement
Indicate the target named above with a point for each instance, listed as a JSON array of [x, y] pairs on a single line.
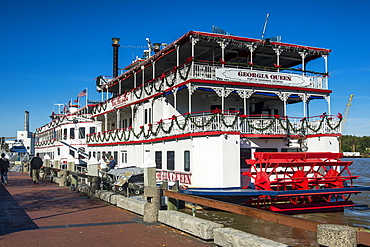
[[49, 215]]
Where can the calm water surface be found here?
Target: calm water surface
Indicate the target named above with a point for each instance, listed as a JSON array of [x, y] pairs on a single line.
[[357, 217]]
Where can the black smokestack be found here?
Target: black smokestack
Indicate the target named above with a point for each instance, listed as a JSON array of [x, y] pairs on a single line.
[[26, 121], [115, 46]]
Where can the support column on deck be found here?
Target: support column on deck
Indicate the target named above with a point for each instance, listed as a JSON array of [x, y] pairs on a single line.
[[245, 94], [119, 87], [118, 124], [174, 92], [105, 122], [303, 56], [326, 84], [284, 97], [132, 115], [223, 93], [142, 78], [223, 45], [304, 98], [328, 100], [251, 50], [134, 73], [193, 42], [278, 51], [191, 90], [177, 47]]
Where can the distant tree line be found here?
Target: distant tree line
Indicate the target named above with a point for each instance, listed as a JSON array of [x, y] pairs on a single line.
[[355, 144]]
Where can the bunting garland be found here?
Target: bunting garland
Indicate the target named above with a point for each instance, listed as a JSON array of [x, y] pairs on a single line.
[[153, 131]]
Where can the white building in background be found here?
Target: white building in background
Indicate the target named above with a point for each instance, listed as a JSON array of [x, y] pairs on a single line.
[[25, 140]]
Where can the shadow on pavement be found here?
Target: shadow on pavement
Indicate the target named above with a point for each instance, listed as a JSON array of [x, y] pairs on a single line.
[[12, 217]]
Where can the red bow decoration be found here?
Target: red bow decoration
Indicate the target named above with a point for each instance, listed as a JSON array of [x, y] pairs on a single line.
[[189, 59], [217, 111], [222, 61], [277, 66]]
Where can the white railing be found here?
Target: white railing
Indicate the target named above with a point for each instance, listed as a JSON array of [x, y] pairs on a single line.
[[217, 122]]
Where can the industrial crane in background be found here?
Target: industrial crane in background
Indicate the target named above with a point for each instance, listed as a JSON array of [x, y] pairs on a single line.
[[346, 113], [344, 122]]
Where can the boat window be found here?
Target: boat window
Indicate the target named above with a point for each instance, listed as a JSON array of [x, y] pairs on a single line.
[[158, 159], [58, 151], [187, 160], [89, 155], [72, 153], [115, 155], [92, 130], [145, 116], [245, 153], [81, 132], [72, 133], [150, 115], [170, 160], [65, 134], [130, 122], [124, 157], [98, 156], [80, 151]]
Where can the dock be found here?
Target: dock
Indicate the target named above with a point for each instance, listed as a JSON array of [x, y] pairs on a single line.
[[48, 215]]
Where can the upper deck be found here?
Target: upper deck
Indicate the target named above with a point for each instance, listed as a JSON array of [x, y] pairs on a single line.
[[215, 60]]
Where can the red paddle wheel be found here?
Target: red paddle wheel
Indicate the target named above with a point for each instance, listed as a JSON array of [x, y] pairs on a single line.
[[296, 181]]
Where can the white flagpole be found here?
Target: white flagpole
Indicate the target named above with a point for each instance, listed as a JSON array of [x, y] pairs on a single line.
[[86, 100]]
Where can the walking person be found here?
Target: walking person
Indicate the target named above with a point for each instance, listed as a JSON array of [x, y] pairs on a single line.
[[4, 165], [36, 164]]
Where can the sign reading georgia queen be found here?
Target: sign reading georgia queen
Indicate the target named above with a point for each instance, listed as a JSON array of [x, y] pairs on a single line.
[[255, 76]]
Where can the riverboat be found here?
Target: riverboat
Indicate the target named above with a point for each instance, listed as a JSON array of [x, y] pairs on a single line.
[[210, 111], [63, 140]]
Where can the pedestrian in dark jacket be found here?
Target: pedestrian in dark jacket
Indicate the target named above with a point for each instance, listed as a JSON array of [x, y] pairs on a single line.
[[112, 163], [4, 165], [36, 164]]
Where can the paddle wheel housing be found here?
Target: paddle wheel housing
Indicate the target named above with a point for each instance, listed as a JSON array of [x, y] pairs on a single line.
[[302, 181]]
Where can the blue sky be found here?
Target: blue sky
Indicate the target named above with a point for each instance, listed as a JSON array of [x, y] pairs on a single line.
[[52, 50]]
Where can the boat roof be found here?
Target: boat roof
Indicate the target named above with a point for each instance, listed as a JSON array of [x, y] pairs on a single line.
[[237, 50]]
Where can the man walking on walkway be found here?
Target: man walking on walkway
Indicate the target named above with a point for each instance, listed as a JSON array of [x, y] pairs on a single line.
[[36, 164], [4, 165]]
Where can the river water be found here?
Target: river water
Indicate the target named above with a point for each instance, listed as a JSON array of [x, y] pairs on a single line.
[[357, 216]]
